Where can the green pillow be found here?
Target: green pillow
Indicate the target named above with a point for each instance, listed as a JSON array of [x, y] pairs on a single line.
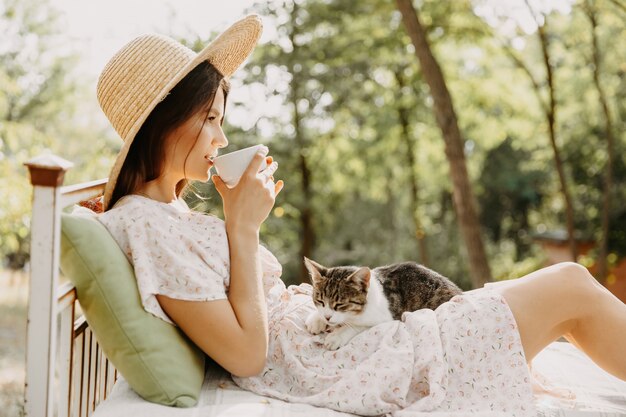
[[157, 360]]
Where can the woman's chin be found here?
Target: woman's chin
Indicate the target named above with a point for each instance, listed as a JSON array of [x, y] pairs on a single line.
[[202, 177]]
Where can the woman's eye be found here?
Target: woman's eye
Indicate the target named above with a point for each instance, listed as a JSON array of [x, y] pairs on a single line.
[[211, 118]]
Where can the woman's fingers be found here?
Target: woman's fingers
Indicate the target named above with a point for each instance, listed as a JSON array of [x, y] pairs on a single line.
[[219, 184], [255, 164], [268, 172], [278, 187]]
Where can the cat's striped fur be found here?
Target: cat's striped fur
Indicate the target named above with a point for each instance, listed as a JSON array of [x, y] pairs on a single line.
[[350, 298]]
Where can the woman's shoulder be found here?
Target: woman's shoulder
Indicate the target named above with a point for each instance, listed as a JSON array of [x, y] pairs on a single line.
[[136, 221], [133, 206], [134, 210]]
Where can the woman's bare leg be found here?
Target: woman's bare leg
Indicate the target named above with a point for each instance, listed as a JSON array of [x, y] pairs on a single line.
[[565, 300]]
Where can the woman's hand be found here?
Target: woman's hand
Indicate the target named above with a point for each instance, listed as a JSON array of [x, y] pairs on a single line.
[[248, 204], [243, 330]]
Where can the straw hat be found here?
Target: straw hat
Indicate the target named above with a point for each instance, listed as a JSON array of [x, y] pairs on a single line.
[[143, 72]]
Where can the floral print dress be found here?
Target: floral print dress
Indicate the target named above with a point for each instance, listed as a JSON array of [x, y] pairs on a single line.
[[464, 358]]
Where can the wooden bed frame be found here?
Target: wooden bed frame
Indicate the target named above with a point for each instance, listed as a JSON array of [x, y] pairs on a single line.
[[67, 374]]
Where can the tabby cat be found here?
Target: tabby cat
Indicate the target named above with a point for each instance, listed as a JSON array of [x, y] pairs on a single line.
[[350, 299]]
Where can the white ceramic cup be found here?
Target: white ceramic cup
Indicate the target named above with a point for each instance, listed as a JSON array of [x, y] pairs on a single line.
[[231, 166]]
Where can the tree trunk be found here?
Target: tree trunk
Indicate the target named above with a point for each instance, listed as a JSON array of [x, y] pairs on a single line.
[[446, 118], [608, 128], [390, 202], [549, 111], [403, 117], [551, 119], [306, 213]]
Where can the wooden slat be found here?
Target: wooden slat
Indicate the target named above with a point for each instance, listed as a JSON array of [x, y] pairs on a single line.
[[79, 342], [84, 395], [96, 368], [66, 296], [95, 372], [88, 372], [102, 374], [80, 325], [72, 194], [66, 342], [111, 377], [93, 375]]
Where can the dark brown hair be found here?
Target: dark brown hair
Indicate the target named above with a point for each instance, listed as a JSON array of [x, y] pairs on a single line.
[[144, 162]]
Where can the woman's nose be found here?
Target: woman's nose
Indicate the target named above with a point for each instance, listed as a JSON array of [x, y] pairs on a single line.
[[220, 140]]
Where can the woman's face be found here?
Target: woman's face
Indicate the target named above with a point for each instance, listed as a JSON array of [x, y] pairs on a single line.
[[191, 159]]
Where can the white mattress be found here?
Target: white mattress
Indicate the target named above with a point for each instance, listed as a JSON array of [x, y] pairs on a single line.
[[574, 387]]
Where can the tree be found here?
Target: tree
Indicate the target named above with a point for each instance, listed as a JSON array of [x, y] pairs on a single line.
[[38, 105], [29, 100], [511, 189], [592, 15], [403, 117], [446, 119], [351, 107], [549, 111], [291, 142], [306, 211]]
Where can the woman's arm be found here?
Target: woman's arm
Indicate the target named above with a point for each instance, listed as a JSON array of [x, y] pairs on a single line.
[[234, 332]]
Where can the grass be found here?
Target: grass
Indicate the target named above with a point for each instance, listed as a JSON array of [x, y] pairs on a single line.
[[13, 305]]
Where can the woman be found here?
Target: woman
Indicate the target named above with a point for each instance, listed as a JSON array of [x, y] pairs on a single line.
[[214, 280]]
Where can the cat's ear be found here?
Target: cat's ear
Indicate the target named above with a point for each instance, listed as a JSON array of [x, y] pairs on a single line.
[[362, 276], [315, 270]]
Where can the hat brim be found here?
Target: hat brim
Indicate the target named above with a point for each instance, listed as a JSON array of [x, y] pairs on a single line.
[[226, 53]]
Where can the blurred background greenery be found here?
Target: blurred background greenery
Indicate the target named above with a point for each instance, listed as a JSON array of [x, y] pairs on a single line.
[[365, 136], [360, 150], [355, 129]]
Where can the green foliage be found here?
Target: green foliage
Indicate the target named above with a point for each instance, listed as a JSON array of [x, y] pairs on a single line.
[[342, 72], [511, 188], [38, 108], [348, 54]]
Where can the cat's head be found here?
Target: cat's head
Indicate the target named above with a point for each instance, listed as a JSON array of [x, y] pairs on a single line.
[[339, 293]]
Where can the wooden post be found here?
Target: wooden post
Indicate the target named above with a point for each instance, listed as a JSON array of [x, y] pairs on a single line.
[[46, 176]]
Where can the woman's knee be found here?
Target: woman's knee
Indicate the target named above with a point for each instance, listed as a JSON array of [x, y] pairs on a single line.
[[582, 289], [570, 286], [576, 276]]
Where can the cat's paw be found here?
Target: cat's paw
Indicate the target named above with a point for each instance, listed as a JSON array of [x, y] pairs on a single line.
[[315, 323], [338, 338]]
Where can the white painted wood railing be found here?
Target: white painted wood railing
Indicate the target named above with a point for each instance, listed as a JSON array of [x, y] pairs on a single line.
[[67, 374]]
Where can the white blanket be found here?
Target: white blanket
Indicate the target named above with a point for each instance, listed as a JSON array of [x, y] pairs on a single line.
[[567, 384], [578, 386]]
